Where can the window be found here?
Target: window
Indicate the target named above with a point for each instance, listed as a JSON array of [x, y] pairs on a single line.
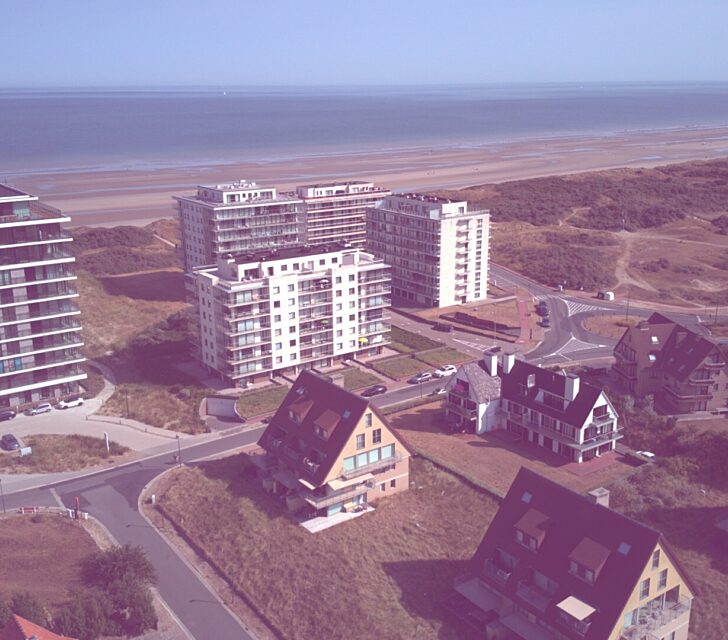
[[277, 318], [291, 287], [276, 290], [644, 589], [663, 579], [656, 559], [388, 451], [624, 548], [393, 483], [352, 291], [383, 487], [292, 343], [374, 456], [376, 436], [292, 315], [361, 441], [352, 317], [293, 357], [361, 459], [291, 302], [291, 329], [352, 277], [279, 345], [573, 567], [276, 304], [338, 280], [279, 359], [278, 332], [589, 575], [368, 419]]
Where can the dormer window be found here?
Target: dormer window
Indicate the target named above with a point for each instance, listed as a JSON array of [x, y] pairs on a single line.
[[294, 416], [531, 529], [321, 432], [655, 340], [587, 560]]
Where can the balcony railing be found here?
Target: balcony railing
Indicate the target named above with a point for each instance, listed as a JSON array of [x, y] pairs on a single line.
[[579, 626], [319, 502], [651, 621], [347, 474], [533, 595], [491, 568], [470, 414]]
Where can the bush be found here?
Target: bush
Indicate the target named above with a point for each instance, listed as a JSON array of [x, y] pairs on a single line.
[[26, 605], [5, 613], [86, 617], [85, 238], [119, 260], [125, 563]]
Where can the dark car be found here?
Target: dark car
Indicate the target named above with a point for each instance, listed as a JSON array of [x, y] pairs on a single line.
[[542, 311], [8, 414], [545, 323], [376, 390], [442, 326], [495, 349], [9, 442]]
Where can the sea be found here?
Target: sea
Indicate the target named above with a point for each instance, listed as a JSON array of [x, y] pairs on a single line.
[[46, 130]]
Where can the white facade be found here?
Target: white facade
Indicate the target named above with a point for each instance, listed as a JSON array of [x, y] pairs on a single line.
[[336, 211], [290, 308], [40, 339], [438, 249], [240, 216]]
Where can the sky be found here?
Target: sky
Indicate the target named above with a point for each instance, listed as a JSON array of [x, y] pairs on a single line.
[[79, 43]]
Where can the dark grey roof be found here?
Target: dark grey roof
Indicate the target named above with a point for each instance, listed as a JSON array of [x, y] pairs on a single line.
[[484, 386]]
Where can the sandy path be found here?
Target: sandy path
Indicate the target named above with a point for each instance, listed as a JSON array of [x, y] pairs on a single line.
[[620, 271]]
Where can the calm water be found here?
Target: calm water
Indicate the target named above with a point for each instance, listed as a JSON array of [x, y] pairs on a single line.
[[135, 129]]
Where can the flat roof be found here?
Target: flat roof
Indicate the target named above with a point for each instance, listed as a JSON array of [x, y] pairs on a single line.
[[343, 183], [282, 253], [425, 197]]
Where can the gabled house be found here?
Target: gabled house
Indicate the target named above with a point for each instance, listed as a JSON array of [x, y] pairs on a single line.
[[558, 565], [473, 398], [557, 410], [327, 450], [17, 628], [685, 371]]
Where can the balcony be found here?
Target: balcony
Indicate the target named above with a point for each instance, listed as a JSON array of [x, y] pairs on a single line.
[[470, 414], [581, 627], [313, 302], [372, 467], [653, 620], [533, 595], [493, 570], [240, 359], [319, 502], [316, 327], [369, 304], [372, 291]]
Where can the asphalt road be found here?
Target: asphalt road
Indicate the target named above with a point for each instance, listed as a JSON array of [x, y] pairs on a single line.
[[112, 497]]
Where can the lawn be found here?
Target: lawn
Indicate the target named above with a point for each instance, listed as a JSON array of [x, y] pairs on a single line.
[[443, 355], [408, 342], [173, 407], [491, 460], [398, 367], [43, 554], [260, 401], [379, 576], [355, 378], [608, 326], [54, 453]]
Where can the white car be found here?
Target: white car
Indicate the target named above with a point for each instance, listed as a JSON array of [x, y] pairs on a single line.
[[446, 370], [71, 402], [647, 454]]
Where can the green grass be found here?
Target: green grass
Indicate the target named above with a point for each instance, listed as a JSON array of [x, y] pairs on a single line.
[[397, 561], [55, 453], [355, 378], [443, 355], [266, 400], [399, 366], [408, 342]]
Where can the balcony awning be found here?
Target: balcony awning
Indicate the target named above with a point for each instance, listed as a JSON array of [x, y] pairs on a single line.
[[524, 628], [337, 484], [285, 477], [307, 484], [576, 608]]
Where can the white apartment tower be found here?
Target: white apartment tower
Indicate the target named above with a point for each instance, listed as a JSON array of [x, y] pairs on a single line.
[[40, 339], [438, 249], [336, 211], [287, 309], [236, 217]]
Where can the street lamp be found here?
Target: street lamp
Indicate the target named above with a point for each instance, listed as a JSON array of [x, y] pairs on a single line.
[[2, 495], [179, 452]]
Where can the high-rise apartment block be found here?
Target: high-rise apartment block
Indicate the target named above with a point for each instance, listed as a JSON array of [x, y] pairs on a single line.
[[336, 211], [230, 218], [288, 309], [437, 248], [40, 340]]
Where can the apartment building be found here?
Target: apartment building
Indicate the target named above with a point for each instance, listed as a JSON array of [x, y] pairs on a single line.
[[336, 211], [558, 565], [438, 249], [552, 409], [40, 339], [287, 309], [684, 371], [232, 218], [327, 450]]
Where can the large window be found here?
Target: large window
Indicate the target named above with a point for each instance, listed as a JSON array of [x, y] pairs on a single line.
[[388, 451], [663, 579], [361, 441], [656, 559], [644, 589], [376, 436]]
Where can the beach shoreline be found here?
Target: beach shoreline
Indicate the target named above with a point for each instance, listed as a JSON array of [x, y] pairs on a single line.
[[107, 197]]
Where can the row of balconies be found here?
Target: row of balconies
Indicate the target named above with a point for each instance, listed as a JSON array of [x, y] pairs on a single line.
[[36, 294], [28, 378], [19, 331], [40, 253]]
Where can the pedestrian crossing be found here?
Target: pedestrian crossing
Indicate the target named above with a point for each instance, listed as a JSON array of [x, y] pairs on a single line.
[[574, 344], [572, 307]]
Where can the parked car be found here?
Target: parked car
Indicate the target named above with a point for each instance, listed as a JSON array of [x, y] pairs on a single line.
[[376, 390], [9, 442], [442, 326], [545, 322], [495, 349], [43, 407], [542, 311], [420, 377], [70, 402], [446, 370], [439, 391], [8, 414], [647, 454]]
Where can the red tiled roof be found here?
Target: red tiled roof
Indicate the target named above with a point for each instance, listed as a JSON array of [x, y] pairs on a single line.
[[18, 628]]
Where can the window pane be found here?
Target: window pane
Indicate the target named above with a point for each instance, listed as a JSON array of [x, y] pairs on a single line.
[[361, 460], [349, 463], [374, 455]]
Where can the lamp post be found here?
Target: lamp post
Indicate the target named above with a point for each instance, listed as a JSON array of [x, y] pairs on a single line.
[[179, 452], [2, 495]]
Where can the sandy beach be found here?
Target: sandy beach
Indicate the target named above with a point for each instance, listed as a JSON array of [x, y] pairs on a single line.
[[107, 198]]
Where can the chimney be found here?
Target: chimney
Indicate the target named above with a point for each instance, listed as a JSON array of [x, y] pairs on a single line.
[[490, 360], [337, 379], [571, 387], [600, 495], [508, 361]]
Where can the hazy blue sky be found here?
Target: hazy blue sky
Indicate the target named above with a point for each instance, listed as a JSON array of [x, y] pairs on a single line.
[[280, 42]]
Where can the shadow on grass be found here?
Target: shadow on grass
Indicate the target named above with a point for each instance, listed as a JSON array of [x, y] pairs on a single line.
[[424, 586], [165, 286]]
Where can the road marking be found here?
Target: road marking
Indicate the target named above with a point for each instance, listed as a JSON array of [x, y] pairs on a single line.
[[57, 498], [573, 345], [580, 307], [472, 345]]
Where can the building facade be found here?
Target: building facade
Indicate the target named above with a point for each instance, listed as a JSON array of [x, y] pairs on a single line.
[[438, 249], [684, 371], [40, 333], [336, 211], [231, 218], [327, 450], [557, 565], [473, 397], [288, 309]]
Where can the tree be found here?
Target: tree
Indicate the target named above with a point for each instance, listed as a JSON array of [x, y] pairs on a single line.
[[86, 617], [26, 605], [125, 563], [5, 613]]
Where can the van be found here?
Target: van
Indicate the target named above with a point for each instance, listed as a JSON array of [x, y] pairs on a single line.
[[442, 326]]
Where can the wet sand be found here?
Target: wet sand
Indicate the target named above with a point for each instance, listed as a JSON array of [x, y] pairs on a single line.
[[107, 198]]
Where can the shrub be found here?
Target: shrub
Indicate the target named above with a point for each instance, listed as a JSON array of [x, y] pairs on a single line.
[[125, 563], [5, 613], [85, 238], [86, 617], [26, 605], [118, 260]]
